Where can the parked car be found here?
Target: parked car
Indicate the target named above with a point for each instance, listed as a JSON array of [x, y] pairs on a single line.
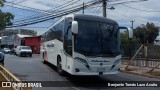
[[2, 57], [23, 50], [6, 50]]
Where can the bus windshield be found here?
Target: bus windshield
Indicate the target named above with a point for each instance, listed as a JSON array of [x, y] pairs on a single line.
[[97, 38]]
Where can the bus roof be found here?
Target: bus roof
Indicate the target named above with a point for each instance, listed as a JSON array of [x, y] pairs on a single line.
[[94, 18], [84, 17]]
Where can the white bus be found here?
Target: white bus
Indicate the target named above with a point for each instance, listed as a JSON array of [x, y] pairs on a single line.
[[83, 45]]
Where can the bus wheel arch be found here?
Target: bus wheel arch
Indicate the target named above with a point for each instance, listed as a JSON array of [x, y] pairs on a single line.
[[59, 66]]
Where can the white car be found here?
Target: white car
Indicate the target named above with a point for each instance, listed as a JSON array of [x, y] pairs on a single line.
[[23, 50], [6, 50]]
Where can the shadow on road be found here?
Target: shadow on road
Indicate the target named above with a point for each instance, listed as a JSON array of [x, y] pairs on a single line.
[[90, 82]]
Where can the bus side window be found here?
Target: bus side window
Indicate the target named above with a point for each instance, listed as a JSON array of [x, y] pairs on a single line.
[[69, 41]]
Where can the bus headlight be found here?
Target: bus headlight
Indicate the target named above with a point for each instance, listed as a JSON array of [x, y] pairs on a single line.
[[81, 60]]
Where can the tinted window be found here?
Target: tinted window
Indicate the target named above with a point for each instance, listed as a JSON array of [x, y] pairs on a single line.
[[25, 47], [68, 36], [97, 38], [56, 32]]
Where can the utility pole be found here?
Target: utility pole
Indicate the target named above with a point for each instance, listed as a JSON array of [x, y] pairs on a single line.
[[104, 8], [130, 44], [83, 7], [132, 23]]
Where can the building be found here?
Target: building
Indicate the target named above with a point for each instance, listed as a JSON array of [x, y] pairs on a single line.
[[8, 32], [28, 40], [34, 43], [3, 41], [19, 39], [8, 36]]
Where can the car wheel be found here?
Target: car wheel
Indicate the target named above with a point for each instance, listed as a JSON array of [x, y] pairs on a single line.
[[2, 62], [30, 55], [20, 54]]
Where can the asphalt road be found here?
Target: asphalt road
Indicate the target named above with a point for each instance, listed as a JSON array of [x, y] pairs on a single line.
[[32, 69]]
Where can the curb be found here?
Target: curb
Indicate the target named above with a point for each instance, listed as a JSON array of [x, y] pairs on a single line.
[[141, 74]]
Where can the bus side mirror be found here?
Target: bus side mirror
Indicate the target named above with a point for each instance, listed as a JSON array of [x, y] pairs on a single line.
[[130, 31], [74, 28]]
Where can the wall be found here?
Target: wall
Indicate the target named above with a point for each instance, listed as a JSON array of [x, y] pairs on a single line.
[[34, 43]]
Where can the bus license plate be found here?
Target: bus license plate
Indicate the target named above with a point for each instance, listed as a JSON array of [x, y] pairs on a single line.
[[100, 69]]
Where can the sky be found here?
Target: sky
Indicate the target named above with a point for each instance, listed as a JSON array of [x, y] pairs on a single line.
[[139, 12]]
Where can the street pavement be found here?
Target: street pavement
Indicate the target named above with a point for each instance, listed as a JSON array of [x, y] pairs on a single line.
[[32, 69]]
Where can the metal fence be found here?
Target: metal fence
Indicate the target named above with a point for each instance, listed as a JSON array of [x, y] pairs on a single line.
[[7, 76], [149, 57]]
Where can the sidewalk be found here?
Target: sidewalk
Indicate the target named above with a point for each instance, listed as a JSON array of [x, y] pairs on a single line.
[[143, 71]]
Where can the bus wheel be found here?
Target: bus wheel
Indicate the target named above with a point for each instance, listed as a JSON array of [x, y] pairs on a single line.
[[59, 66], [44, 61]]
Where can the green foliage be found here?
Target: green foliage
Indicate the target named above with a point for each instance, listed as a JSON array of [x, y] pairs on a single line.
[[1, 2], [5, 17], [128, 46], [146, 33]]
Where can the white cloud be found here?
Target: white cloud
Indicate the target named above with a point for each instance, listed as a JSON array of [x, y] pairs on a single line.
[[140, 17]]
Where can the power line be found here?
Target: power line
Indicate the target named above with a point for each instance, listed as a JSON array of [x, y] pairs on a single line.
[[21, 8], [134, 18], [22, 1], [59, 13], [14, 1], [44, 14], [17, 1], [15, 5], [122, 15], [128, 2], [139, 9], [34, 27], [33, 9], [50, 11], [67, 11], [98, 10], [57, 6]]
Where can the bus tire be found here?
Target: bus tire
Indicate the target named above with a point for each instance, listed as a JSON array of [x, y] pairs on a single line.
[[44, 61], [59, 66]]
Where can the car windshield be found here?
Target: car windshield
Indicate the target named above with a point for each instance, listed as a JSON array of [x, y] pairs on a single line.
[[6, 49], [97, 38], [26, 48]]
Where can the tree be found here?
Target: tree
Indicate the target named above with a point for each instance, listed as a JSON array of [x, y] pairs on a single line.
[[1, 2], [128, 46], [5, 17], [146, 33]]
